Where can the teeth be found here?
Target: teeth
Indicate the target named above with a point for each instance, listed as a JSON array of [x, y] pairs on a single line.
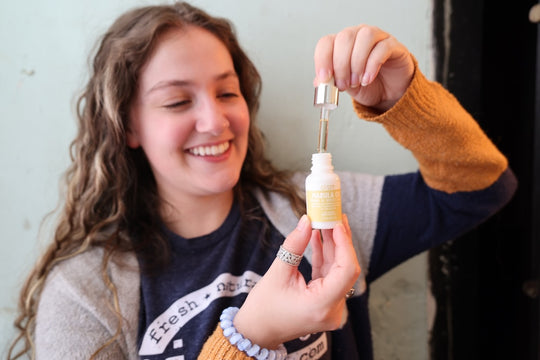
[[213, 150]]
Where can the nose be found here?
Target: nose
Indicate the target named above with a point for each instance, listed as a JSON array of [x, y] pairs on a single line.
[[211, 117]]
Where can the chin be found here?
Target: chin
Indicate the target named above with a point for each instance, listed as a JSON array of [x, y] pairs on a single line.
[[224, 184]]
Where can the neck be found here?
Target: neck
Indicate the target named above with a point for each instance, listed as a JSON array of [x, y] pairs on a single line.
[[199, 216]]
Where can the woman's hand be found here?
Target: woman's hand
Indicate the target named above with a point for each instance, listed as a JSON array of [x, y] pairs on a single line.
[[368, 63], [282, 307]]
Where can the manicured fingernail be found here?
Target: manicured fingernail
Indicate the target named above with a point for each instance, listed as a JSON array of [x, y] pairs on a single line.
[[302, 223], [366, 79]]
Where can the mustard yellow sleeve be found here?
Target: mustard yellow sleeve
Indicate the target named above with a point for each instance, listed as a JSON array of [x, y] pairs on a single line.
[[452, 151], [218, 347]]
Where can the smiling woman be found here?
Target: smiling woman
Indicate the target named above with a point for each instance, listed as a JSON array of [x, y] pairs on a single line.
[[192, 123], [173, 215]]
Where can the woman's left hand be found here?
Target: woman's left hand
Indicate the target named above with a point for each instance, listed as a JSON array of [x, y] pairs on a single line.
[[282, 306], [368, 63]]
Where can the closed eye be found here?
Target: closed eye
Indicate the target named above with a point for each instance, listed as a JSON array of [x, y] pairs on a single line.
[[228, 95], [177, 104]]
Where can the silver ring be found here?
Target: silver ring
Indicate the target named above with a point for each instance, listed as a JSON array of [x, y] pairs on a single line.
[[288, 257], [349, 293]]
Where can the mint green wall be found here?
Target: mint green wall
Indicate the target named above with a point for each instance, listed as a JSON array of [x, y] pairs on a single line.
[[43, 59]]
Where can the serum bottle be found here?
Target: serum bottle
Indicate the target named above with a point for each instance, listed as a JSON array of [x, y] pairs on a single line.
[[323, 193], [323, 187]]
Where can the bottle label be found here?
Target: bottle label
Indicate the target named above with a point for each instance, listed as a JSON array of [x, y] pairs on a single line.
[[324, 205]]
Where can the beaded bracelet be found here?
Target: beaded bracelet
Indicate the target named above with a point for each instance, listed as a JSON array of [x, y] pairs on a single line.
[[243, 344]]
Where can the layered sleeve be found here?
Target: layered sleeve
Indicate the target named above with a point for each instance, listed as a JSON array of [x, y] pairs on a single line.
[[219, 347], [452, 151], [463, 178]]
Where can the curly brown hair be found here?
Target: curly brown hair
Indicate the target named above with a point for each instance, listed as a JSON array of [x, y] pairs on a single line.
[[110, 189]]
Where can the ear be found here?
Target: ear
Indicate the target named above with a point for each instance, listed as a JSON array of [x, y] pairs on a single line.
[[132, 139]]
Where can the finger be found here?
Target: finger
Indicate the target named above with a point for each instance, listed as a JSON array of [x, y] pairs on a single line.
[[345, 253], [383, 51], [345, 220], [328, 245], [297, 240], [343, 242], [343, 47], [343, 275], [323, 59], [366, 39], [316, 256], [326, 234]]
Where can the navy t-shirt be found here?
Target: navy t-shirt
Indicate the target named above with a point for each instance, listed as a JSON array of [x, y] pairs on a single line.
[[180, 307]]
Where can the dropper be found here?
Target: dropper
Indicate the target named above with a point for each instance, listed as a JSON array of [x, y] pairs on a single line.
[[326, 97]]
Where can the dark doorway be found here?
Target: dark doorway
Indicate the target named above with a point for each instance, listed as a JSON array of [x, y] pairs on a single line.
[[486, 284]]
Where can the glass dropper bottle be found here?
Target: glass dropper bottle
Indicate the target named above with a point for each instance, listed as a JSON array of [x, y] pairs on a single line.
[[323, 186]]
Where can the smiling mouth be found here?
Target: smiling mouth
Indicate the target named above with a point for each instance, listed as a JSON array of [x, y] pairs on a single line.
[[214, 150]]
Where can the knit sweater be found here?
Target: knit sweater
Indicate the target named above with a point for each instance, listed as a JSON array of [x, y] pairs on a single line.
[[463, 179]]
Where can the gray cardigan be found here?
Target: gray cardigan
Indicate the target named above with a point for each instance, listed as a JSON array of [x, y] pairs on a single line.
[[76, 301]]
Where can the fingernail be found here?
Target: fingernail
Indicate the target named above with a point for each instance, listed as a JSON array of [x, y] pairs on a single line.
[[342, 84], [323, 75], [366, 79], [302, 223], [355, 80], [340, 225]]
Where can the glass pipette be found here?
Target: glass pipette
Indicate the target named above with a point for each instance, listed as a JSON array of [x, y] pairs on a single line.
[[326, 97]]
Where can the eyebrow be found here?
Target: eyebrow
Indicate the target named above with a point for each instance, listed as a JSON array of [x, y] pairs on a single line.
[[181, 83]]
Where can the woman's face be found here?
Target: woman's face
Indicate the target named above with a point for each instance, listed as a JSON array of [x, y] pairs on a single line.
[[189, 115]]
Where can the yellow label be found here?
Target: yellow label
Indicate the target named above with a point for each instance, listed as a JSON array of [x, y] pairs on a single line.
[[324, 205]]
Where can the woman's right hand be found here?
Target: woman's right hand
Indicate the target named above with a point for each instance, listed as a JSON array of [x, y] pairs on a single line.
[[283, 307]]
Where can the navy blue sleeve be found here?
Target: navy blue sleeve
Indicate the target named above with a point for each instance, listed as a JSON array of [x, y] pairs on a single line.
[[414, 217]]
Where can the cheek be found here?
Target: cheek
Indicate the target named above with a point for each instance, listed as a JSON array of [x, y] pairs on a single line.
[[241, 126], [241, 131], [176, 135], [168, 134], [244, 126]]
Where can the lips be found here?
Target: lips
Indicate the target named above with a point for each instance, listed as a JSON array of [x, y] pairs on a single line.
[[212, 150]]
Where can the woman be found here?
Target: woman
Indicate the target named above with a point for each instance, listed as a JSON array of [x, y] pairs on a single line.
[[173, 215]]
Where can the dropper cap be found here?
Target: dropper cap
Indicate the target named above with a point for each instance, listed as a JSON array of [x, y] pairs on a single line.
[[326, 95], [326, 98]]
